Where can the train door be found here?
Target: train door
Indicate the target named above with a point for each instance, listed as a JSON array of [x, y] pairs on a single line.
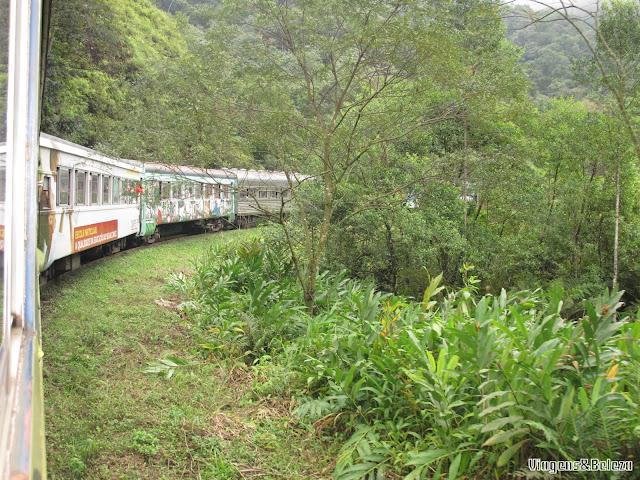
[[21, 403]]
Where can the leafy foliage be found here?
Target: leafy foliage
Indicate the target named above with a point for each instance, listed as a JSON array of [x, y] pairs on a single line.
[[459, 382], [246, 303], [99, 51]]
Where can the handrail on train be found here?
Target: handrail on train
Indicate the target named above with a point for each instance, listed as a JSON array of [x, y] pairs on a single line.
[[21, 403]]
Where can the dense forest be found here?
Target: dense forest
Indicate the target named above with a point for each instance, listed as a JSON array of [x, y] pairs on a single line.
[[504, 176], [470, 181], [550, 53]]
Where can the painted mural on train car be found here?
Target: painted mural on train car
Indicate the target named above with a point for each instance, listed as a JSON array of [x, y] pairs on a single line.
[[184, 194]]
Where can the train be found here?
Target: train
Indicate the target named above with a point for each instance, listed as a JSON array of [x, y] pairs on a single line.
[[91, 204]]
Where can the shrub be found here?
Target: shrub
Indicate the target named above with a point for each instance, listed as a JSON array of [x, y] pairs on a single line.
[[457, 383]]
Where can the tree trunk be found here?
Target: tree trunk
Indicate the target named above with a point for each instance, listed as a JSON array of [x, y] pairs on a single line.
[[616, 233]]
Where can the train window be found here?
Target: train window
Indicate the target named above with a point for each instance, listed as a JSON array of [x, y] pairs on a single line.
[[263, 194], [152, 194], [126, 191], [3, 175], [209, 191], [139, 190], [81, 188], [64, 181], [115, 194], [93, 186], [217, 189], [226, 191], [273, 194], [131, 191], [244, 193], [106, 190], [45, 198]]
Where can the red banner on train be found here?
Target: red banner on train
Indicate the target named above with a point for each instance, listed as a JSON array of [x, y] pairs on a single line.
[[92, 235]]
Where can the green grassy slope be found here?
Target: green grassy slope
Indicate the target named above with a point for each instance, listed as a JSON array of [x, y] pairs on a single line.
[[107, 419]]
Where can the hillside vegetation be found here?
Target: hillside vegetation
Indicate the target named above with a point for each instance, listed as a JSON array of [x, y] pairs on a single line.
[[550, 51], [107, 418]]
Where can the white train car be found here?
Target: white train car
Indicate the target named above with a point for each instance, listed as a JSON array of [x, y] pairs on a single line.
[[87, 200], [262, 193]]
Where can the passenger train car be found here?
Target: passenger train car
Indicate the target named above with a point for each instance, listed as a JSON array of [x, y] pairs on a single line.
[[176, 194], [85, 199], [262, 193], [91, 204]]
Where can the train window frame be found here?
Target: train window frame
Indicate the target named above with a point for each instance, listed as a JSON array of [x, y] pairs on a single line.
[[263, 194], [115, 192], [226, 192], [105, 182], [44, 200], [61, 192], [80, 174], [94, 191], [165, 190], [3, 186]]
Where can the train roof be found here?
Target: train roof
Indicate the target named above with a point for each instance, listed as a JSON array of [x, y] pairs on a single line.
[[185, 171], [256, 178], [55, 143]]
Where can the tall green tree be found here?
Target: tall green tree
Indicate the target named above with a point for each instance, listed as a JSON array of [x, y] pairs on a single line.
[[329, 93]]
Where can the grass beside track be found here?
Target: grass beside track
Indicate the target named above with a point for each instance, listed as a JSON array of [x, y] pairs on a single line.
[[106, 419]]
